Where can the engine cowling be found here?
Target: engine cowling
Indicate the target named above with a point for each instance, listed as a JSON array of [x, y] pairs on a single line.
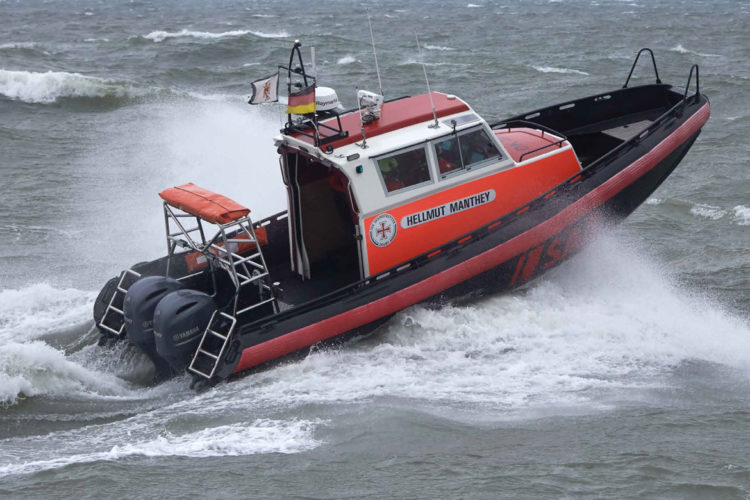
[[139, 305], [179, 321]]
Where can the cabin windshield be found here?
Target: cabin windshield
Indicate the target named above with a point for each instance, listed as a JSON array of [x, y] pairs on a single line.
[[464, 151]]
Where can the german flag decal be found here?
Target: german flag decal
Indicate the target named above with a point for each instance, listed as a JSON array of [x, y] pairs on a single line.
[[302, 102]]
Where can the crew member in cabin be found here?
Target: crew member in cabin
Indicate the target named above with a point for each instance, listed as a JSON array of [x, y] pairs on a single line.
[[448, 157], [415, 169], [389, 169], [478, 148]]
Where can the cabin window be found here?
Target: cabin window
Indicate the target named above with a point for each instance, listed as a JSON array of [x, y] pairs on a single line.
[[405, 169], [464, 151]]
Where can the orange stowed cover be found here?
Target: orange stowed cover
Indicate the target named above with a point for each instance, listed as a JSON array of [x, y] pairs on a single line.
[[519, 141], [196, 260], [207, 205]]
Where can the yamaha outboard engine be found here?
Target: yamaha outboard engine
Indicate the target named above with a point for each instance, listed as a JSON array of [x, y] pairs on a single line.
[[140, 302], [179, 322]]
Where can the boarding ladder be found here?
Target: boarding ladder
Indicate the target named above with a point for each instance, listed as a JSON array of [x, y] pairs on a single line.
[[224, 249], [113, 319]]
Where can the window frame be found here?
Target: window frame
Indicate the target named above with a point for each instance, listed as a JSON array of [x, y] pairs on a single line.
[[465, 168], [413, 147]]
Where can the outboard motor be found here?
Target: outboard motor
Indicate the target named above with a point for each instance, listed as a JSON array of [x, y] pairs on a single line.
[[140, 302], [179, 322]]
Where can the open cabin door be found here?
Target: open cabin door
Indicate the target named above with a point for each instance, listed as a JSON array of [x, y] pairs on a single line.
[[298, 254], [322, 222]]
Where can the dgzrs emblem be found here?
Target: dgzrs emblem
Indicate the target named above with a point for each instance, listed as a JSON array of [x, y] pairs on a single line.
[[383, 230]]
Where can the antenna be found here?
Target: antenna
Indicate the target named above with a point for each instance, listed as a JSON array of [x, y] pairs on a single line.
[[429, 92], [314, 67], [377, 69], [363, 145]]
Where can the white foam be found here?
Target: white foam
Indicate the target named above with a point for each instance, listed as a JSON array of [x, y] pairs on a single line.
[[221, 144], [17, 45], [742, 215], [258, 437], [708, 211], [160, 36], [35, 368], [437, 47], [347, 59], [41, 309], [473, 6], [48, 87], [682, 50], [410, 61], [606, 321], [552, 69], [654, 201]]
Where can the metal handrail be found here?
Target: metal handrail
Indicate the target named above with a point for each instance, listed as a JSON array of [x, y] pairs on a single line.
[[653, 60], [697, 82], [509, 125], [512, 123]]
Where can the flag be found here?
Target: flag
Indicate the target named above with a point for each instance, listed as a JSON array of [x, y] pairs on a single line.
[[302, 102], [265, 90]]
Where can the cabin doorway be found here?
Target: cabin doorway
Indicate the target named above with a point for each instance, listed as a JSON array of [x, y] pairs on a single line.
[[322, 221]]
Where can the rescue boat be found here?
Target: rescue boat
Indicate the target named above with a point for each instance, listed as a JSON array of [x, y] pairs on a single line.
[[391, 204]]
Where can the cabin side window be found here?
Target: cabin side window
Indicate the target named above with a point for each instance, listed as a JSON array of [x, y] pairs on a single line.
[[465, 151], [405, 169]]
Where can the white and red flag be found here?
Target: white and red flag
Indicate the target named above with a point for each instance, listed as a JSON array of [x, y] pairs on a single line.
[[265, 90]]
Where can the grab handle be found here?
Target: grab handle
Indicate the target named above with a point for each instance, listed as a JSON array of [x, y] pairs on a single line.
[[653, 60], [697, 83]]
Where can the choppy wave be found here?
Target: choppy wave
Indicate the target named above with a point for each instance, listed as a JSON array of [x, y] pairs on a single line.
[[742, 215], [160, 36], [347, 59], [437, 47], [259, 436], [29, 367], [44, 88], [18, 45], [552, 69], [40, 309], [35, 368], [682, 50], [708, 211], [607, 321], [418, 62]]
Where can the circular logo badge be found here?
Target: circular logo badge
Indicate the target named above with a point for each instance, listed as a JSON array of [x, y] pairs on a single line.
[[383, 230]]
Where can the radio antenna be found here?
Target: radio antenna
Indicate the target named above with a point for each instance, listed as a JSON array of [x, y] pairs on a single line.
[[377, 69], [429, 92]]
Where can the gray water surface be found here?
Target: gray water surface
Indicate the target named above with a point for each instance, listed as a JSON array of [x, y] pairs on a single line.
[[623, 373]]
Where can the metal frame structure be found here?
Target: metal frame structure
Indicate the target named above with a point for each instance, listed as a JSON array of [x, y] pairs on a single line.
[[221, 251]]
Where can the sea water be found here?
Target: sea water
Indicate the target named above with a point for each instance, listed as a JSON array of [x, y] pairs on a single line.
[[623, 373]]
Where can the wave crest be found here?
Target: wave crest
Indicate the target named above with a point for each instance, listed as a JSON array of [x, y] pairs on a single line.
[[682, 50], [35, 368], [258, 437], [552, 69], [45, 88], [742, 215], [40, 309], [160, 36]]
